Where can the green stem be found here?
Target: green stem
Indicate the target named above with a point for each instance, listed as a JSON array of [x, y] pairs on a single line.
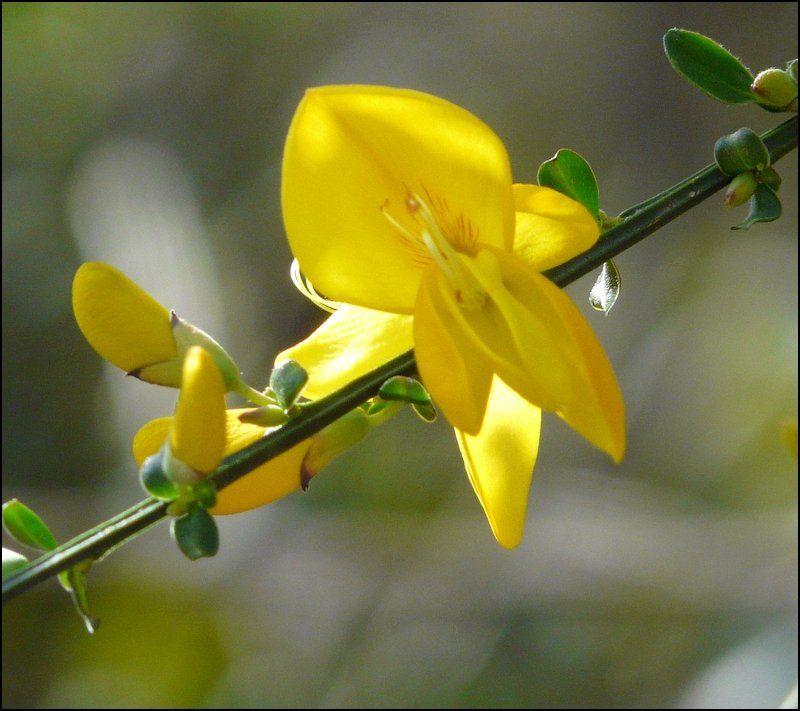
[[638, 223]]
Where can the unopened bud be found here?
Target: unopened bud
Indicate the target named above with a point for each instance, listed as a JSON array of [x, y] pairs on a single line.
[[775, 88], [741, 189]]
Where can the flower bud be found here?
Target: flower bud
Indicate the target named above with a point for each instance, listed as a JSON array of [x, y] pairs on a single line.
[[740, 151], [775, 88], [741, 189]]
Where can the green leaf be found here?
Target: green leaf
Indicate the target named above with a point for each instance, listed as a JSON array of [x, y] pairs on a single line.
[[196, 533], [709, 66], [765, 206], [605, 291], [286, 381], [12, 562], [74, 582], [570, 174], [26, 527], [740, 151], [406, 389]]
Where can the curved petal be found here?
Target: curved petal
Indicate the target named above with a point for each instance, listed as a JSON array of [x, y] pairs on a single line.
[[455, 368], [350, 343], [517, 336], [499, 460], [551, 228], [197, 437], [597, 411], [122, 322], [265, 484], [353, 157]]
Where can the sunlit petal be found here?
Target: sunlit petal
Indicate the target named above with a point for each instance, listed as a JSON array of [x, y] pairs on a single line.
[[455, 367], [499, 460], [354, 155], [198, 433], [551, 228], [597, 411], [122, 322], [350, 343]]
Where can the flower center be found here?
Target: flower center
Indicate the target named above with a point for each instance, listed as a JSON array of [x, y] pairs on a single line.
[[445, 249]]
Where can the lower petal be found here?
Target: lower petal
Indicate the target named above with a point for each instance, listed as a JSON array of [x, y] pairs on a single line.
[[451, 363], [499, 460], [350, 343]]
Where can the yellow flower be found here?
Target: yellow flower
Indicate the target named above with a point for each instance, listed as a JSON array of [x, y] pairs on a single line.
[[130, 329], [197, 433], [400, 205], [124, 324], [265, 484]]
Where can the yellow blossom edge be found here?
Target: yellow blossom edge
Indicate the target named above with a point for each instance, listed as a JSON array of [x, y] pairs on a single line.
[[121, 321], [197, 437], [550, 228], [500, 458], [265, 484], [353, 158], [349, 343]]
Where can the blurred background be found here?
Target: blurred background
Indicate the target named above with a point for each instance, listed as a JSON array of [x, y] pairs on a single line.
[[149, 136]]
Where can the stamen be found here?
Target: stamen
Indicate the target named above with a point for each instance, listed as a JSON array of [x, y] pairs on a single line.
[[467, 291], [306, 288]]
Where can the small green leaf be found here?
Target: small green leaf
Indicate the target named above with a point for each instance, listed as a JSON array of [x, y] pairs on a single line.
[[765, 206], [570, 174], [26, 527], [740, 151], [12, 562], [400, 387], [155, 481], [286, 381], [74, 582], [196, 533], [709, 66], [605, 291]]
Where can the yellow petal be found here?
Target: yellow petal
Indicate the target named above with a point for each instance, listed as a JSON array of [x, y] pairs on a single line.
[[500, 459], [597, 411], [551, 228], [263, 485], [354, 155], [518, 336], [122, 322], [455, 367], [198, 433], [350, 343]]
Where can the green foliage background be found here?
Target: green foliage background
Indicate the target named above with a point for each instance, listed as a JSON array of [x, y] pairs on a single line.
[[149, 135]]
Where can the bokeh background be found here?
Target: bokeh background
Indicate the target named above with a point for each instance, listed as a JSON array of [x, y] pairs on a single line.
[[149, 135]]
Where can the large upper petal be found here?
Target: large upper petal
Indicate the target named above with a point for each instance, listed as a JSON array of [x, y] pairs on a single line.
[[350, 343], [265, 484], [551, 228], [353, 155], [499, 460]]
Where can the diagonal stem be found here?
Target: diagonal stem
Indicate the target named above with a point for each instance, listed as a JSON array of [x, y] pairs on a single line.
[[639, 222]]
